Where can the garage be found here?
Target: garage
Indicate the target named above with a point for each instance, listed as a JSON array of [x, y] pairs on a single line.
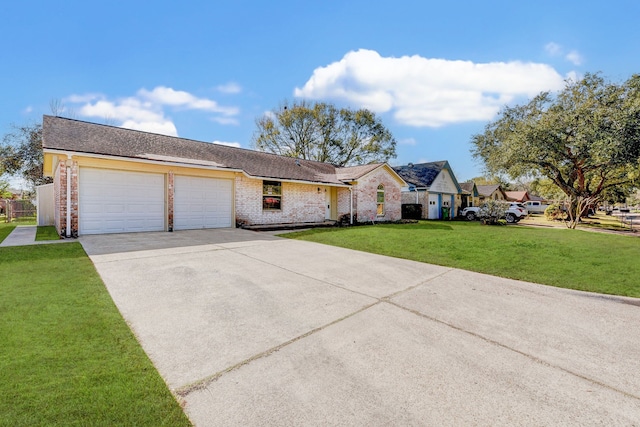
[[112, 201], [202, 203]]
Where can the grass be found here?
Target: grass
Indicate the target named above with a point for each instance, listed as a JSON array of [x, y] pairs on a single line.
[[67, 357], [600, 221], [5, 229], [47, 233], [27, 220], [574, 259]]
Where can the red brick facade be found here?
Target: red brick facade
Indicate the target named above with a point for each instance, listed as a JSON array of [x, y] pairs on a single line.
[[60, 198], [170, 193], [307, 202], [366, 196]]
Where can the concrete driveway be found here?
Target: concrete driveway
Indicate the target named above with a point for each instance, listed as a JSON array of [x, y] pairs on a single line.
[[251, 329]]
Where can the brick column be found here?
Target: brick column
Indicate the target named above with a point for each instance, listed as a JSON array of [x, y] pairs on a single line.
[[170, 201], [74, 199]]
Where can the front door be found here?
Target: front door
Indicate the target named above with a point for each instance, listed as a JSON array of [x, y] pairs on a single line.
[[327, 203]]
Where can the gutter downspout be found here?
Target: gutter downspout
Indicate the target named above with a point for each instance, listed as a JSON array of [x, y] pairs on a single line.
[[68, 164]]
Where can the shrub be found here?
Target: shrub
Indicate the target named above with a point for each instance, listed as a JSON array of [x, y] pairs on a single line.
[[554, 212], [493, 212]]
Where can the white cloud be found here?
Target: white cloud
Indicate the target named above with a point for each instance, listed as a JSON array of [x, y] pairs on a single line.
[[123, 110], [228, 144], [147, 109], [574, 57], [80, 99], [408, 141], [168, 96], [226, 120], [230, 87], [162, 127], [28, 109], [428, 92], [553, 49]]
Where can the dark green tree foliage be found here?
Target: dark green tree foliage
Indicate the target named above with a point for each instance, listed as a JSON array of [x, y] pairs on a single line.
[[21, 153], [324, 133], [585, 139]]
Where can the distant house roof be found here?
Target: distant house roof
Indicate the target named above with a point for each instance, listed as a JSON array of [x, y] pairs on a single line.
[[68, 135], [422, 175], [517, 196], [488, 190], [469, 187]]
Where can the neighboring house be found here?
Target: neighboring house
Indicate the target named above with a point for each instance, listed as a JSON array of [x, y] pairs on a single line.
[[433, 185], [493, 192], [517, 196], [469, 195], [113, 180]]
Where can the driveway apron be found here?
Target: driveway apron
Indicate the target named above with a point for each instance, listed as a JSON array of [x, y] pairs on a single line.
[[251, 329]]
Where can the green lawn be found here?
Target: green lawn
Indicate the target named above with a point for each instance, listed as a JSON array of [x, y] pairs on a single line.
[[47, 233], [575, 259], [66, 355], [5, 229]]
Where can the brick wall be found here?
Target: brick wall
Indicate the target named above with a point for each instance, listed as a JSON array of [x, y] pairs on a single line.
[[366, 193], [300, 203], [344, 202]]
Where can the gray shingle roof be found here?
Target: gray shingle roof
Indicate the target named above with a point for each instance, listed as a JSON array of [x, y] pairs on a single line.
[[421, 174], [91, 138], [487, 190]]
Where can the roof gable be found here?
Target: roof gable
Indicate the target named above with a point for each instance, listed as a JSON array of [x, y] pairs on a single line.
[[518, 196], [469, 187], [354, 173], [423, 175], [488, 190]]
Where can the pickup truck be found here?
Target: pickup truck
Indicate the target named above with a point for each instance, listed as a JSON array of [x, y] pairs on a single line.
[[535, 206], [514, 213]]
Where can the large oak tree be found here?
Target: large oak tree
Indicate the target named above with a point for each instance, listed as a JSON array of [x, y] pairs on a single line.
[[322, 132], [585, 139]]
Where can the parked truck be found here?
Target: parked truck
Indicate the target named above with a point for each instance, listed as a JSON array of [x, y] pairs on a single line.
[[514, 213], [535, 206]]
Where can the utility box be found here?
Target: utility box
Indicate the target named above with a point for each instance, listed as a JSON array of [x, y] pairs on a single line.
[[412, 211]]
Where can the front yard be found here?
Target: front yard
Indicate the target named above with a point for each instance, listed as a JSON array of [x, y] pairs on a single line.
[[67, 357], [575, 259]]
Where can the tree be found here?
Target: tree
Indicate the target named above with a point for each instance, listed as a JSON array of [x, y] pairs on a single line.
[[21, 153], [585, 139], [4, 189], [324, 133]]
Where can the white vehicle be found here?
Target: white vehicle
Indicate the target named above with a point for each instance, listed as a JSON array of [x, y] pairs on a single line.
[[535, 206], [513, 214]]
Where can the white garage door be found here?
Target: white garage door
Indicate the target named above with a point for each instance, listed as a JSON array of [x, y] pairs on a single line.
[[202, 203], [120, 202]]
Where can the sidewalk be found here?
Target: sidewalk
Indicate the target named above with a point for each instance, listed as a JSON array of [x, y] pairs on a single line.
[[26, 235]]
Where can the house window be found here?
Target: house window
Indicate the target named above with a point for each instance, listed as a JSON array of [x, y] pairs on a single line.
[[271, 195], [380, 209]]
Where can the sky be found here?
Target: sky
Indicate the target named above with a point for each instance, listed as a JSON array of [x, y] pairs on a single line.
[[434, 72]]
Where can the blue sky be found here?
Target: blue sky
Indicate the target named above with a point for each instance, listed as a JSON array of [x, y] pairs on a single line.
[[435, 72]]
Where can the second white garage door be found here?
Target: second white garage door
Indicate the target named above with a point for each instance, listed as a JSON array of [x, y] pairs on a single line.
[[202, 203]]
